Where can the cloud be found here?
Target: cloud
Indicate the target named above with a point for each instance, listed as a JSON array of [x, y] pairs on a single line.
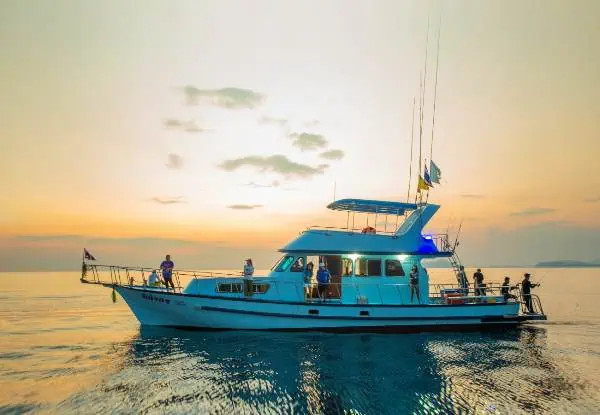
[[307, 141], [533, 211], [312, 123], [244, 207], [275, 164], [168, 200], [280, 122], [187, 126], [592, 200], [332, 155], [472, 196], [231, 98], [174, 161], [274, 183]]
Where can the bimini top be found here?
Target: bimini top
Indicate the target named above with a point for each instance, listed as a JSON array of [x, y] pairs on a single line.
[[372, 206]]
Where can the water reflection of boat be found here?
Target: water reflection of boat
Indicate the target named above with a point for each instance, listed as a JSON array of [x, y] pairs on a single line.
[[370, 287], [232, 371]]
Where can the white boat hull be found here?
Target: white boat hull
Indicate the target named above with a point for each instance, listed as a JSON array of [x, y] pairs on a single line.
[[158, 308]]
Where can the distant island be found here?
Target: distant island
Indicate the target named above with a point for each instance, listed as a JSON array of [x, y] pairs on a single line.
[[567, 264]]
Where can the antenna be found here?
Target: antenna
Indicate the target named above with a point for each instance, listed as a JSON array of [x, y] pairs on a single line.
[[334, 183], [437, 62], [412, 139], [457, 234]]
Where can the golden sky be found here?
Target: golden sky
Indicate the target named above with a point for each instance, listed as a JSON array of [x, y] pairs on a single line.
[[230, 121]]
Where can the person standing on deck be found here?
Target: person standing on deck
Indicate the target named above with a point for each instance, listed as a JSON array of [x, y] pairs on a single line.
[[414, 284], [167, 271], [248, 272], [461, 276], [478, 282], [323, 277], [526, 287]]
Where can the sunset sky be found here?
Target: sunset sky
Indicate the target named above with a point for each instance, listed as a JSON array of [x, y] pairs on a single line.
[[215, 130]]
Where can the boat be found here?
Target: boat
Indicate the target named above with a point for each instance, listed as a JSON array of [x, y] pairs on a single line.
[[369, 289]]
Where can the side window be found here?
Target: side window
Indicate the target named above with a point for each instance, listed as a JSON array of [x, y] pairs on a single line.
[[393, 268], [361, 267], [374, 267], [229, 288], [298, 266], [346, 267], [285, 263], [368, 267]]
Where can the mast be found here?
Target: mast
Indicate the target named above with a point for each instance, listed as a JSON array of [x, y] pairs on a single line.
[[421, 109]]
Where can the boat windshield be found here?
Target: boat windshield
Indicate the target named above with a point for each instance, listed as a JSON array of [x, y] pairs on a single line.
[[283, 264]]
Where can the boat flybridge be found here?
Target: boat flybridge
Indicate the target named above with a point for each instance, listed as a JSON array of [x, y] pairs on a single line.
[[369, 287]]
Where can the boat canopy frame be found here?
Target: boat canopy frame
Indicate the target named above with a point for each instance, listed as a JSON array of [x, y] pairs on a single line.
[[373, 206]]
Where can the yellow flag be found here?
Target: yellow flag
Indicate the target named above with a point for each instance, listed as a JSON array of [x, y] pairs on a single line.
[[422, 185]]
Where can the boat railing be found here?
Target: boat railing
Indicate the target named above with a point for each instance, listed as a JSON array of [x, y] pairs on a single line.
[[349, 230], [127, 275]]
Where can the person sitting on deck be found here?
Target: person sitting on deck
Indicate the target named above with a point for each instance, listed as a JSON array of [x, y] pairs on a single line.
[[167, 271], [414, 284], [506, 288], [323, 277], [369, 229], [248, 272], [153, 279]]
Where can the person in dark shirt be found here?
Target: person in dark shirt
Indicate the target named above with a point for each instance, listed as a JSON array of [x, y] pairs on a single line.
[[526, 287], [414, 284], [478, 282], [167, 271], [506, 288], [323, 277]]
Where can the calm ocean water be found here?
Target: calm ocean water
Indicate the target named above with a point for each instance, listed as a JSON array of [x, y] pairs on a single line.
[[66, 348]]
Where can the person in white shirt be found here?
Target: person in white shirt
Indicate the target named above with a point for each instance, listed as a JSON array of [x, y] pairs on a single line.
[[248, 271], [153, 279]]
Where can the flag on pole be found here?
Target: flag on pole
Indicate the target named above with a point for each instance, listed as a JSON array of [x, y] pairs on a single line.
[[87, 255], [426, 177], [422, 185], [436, 173]]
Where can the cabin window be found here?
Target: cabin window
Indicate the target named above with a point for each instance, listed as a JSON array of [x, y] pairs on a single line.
[[393, 268], [260, 288], [229, 288], [298, 266], [368, 267], [346, 267], [284, 263]]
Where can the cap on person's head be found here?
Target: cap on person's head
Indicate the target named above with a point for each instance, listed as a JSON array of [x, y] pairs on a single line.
[[527, 275], [321, 264]]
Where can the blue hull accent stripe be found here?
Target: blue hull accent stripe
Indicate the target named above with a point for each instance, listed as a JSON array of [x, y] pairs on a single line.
[[307, 304], [320, 317]]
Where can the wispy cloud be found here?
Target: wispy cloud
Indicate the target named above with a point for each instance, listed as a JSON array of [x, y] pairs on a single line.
[[231, 98], [275, 164], [472, 196], [308, 141], [533, 211], [244, 207], [168, 200], [280, 122], [174, 161], [312, 123], [274, 183], [592, 200], [332, 155], [187, 126]]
